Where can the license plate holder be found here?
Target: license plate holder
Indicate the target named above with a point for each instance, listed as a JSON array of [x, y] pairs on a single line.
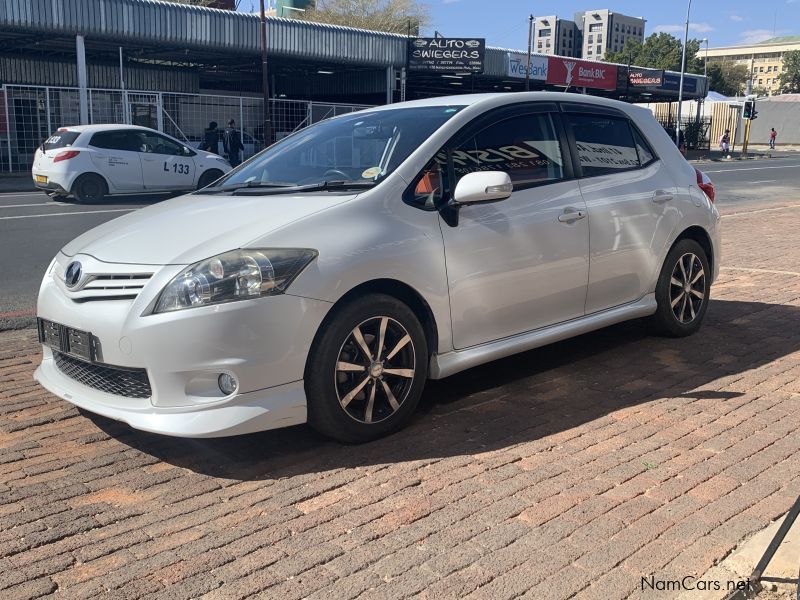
[[41, 178], [67, 340]]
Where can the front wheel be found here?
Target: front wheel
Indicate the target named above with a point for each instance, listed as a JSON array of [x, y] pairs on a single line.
[[208, 178], [683, 290], [366, 372]]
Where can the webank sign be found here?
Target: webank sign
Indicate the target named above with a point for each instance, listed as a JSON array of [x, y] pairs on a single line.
[[518, 66], [571, 72]]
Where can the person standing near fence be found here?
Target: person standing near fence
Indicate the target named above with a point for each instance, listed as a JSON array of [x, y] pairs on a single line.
[[211, 138], [232, 142], [772, 135], [725, 141]]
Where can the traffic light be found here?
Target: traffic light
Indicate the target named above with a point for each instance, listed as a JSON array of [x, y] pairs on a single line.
[[753, 112], [747, 112]]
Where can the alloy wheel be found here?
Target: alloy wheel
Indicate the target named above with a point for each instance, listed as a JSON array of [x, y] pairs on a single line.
[[687, 288], [375, 369]]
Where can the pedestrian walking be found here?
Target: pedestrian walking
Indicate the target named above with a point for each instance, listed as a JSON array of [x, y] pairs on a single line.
[[725, 141], [772, 135], [232, 142], [211, 138]]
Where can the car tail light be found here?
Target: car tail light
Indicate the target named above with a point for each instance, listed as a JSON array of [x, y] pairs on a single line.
[[704, 183], [66, 155]]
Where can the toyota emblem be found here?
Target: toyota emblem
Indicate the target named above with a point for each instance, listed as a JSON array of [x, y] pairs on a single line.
[[73, 274]]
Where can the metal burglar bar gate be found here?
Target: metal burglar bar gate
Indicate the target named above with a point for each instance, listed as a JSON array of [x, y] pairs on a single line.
[[29, 114]]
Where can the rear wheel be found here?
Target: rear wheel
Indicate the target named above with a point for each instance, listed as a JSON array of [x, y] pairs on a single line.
[[89, 188], [366, 372], [683, 290], [208, 178]]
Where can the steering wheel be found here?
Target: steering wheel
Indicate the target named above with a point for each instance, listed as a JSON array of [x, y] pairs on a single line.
[[336, 172]]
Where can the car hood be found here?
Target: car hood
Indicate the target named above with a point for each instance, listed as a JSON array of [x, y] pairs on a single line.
[[190, 228]]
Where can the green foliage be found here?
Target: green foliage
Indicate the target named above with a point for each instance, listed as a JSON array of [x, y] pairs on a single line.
[[727, 78], [790, 76], [393, 16], [659, 51]]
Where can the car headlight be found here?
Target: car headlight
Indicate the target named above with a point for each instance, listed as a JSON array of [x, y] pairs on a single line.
[[236, 275]]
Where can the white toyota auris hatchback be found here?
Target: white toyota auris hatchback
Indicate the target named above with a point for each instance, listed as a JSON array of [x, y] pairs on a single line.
[[327, 278], [90, 162]]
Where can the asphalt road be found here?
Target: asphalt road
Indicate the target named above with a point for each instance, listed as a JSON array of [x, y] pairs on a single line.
[[33, 227]]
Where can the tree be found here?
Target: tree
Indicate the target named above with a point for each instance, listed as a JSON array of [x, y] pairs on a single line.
[[659, 51], [727, 77], [790, 77], [395, 16]]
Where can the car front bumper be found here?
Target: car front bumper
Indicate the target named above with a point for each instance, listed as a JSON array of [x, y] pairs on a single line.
[[263, 343]]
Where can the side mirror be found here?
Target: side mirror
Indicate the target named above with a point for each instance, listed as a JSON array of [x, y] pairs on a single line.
[[483, 186]]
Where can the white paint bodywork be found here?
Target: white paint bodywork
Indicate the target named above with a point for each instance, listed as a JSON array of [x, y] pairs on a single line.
[[509, 277]]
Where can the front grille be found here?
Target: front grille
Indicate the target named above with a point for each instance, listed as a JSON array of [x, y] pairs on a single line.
[[120, 381], [105, 286]]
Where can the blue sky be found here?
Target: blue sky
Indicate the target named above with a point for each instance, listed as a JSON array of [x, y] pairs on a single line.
[[504, 22], [724, 22]]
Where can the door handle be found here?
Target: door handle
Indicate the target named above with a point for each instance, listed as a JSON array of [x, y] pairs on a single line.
[[572, 215], [662, 196]]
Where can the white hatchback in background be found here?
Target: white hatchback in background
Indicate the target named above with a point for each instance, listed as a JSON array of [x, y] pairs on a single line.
[[90, 162]]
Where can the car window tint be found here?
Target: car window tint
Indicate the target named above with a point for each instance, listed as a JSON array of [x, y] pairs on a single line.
[[526, 147], [61, 139], [112, 140], [646, 155], [153, 143], [605, 144]]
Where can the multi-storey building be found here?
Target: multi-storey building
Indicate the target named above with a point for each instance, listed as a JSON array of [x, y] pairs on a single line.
[[557, 36], [764, 61], [604, 31]]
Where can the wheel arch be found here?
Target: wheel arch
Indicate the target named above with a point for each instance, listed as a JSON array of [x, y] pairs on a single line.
[[84, 174], [399, 290], [699, 235]]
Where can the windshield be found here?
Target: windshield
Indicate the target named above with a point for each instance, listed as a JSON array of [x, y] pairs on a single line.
[[361, 148]]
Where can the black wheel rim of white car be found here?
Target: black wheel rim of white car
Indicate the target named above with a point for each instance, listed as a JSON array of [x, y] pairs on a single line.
[[687, 288], [91, 189], [375, 370]]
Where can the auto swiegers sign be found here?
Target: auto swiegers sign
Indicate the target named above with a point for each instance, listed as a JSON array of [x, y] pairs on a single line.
[[571, 72], [446, 55]]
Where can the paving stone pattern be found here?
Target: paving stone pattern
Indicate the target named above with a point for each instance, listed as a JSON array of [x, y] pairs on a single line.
[[568, 471]]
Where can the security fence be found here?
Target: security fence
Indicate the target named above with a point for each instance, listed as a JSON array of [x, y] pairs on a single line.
[[29, 114]]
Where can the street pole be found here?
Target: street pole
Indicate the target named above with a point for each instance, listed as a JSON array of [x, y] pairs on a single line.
[[265, 79], [528, 69], [683, 70]]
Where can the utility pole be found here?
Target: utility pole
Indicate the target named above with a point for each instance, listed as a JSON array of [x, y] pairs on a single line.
[[265, 79], [683, 70], [528, 69]]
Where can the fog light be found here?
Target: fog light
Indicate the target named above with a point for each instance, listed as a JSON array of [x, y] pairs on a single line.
[[227, 383]]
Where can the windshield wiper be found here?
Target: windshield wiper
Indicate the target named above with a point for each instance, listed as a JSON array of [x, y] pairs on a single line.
[[313, 187], [245, 185]]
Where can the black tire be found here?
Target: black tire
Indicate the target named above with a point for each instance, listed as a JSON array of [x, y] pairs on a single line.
[[680, 313], [328, 387], [89, 188], [208, 177]]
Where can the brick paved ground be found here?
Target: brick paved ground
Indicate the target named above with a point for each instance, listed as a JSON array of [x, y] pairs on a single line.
[[574, 469]]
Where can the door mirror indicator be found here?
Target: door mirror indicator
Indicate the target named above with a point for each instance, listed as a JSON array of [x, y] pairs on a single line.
[[483, 186]]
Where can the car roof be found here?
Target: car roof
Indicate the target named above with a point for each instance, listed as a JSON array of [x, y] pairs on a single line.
[[499, 98], [104, 127]]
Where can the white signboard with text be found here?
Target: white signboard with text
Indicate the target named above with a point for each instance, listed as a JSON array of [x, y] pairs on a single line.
[[518, 65]]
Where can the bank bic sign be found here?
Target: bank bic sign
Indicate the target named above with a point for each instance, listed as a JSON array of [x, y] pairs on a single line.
[[446, 54], [571, 72], [518, 66]]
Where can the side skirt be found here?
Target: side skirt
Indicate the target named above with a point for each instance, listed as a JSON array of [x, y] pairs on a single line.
[[450, 363]]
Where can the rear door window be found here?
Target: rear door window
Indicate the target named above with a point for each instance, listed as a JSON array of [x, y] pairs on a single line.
[[61, 139], [605, 144], [115, 140]]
